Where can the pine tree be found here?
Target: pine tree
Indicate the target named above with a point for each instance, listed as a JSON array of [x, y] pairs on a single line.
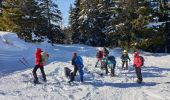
[[74, 15], [133, 16], [22, 17], [53, 17]]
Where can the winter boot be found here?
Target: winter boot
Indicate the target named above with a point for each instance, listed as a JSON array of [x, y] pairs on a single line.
[[112, 73], [139, 80], [36, 81], [71, 77]]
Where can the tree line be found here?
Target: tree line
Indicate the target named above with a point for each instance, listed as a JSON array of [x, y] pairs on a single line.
[[111, 23], [32, 20], [121, 23]]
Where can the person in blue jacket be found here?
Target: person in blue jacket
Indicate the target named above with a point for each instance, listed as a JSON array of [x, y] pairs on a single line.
[[77, 62]]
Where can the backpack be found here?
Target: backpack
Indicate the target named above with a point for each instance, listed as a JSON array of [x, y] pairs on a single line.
[[44, 57], [142, 59], [79, 60], [99, 54], [112, 59]]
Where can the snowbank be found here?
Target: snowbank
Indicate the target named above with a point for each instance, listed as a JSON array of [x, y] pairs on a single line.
[[10, 41]]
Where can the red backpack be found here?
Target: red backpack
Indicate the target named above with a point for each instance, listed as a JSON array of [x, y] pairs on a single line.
[[142, 60]]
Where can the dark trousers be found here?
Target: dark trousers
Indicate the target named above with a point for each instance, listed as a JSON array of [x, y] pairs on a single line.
[[35, 74], [98, 61], [112, 72], [138, 73], [104, 66], [123, 63], [113, 69]]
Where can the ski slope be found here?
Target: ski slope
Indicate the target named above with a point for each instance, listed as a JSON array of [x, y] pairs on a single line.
[[16, 78]]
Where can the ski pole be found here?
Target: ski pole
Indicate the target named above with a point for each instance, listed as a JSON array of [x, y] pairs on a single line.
[[23, 63]]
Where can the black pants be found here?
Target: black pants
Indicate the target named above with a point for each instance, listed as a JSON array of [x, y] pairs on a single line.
[[113, 70], [35, 74], [98, 61], [74, 73], [104, 66], [138, 73], [123, 63]]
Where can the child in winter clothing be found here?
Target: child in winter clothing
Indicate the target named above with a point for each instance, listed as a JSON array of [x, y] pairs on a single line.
[[125, 59], [77, 62], [38, 64], [99, 56], [105, 63], [112, 64], [138, 64]]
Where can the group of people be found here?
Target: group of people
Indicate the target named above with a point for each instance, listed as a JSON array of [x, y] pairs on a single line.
[[41, 58], [107, 61], [103, 58]]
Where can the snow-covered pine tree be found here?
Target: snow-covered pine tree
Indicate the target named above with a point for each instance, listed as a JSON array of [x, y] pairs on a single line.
[[73, 21], [132, 17], [53, 17], [23, 17], [95, 21]]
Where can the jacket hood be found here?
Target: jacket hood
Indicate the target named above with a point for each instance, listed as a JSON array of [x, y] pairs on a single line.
[[136, 54], [39, 50]]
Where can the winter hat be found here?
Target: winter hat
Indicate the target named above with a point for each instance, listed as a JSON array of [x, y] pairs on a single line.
[[136, 54], [125, 51], [39, 50]]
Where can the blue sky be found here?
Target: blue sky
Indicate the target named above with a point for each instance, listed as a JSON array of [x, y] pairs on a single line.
[[64, 6]]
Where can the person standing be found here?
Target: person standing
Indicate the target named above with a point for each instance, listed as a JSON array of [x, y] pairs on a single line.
[[99, 56], [112, 64], [125, 58], [138, 64], [105, 63], [77, 62], [38, 65]]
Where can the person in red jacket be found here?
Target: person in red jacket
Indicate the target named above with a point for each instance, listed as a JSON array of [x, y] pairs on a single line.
[[38, 64], [138, 64], [99, 56]]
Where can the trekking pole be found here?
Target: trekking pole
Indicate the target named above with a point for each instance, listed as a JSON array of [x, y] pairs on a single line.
[[22, 63], [24, 59]]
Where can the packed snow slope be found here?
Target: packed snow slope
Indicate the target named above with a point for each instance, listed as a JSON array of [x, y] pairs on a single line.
[[16, 78]]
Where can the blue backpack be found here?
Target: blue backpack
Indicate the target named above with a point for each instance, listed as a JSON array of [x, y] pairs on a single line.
[[79, 60], [111, 59]]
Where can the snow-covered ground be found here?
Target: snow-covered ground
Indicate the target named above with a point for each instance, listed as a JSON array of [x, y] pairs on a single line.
[[16, 78]]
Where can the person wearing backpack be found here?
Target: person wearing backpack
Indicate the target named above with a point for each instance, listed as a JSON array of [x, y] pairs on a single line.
[[99, 56], [125, 58], [38, 64], [77, 62], [112, 64], [138, 63]]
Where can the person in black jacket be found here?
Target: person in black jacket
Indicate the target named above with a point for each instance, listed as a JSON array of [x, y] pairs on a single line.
[[125, 59]]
